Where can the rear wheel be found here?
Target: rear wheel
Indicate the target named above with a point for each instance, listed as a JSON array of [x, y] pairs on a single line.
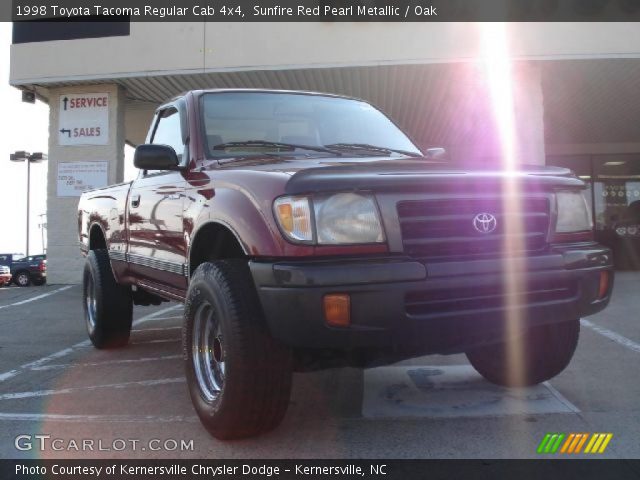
[[239, 377], [544, 351], [39, 282], [22, 279], [108, 307]]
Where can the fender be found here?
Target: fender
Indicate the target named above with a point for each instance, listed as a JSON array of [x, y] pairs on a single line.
[[234, 210]]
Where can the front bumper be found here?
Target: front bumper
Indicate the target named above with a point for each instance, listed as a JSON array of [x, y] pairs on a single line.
[[442, 307], [5, 279]]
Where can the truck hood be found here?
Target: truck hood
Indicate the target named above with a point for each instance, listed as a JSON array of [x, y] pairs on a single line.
[[308, 175], [424, 175]]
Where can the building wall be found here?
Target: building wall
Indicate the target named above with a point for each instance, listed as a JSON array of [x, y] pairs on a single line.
[[171, 48]]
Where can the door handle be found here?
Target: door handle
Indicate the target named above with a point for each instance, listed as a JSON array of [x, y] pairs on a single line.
[[135, 201]]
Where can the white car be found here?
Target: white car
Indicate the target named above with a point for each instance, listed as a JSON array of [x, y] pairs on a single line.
[[5, 275]]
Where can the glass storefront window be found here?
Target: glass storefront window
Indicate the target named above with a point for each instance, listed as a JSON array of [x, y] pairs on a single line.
[[614, 194], [617, 190]]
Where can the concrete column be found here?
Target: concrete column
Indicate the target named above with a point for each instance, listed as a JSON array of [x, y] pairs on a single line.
[[64, 261], [137, 120]]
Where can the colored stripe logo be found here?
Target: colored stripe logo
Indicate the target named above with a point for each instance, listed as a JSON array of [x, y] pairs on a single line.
[[574, 443]]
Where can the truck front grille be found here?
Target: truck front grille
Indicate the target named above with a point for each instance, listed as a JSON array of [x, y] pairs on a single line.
[[445, 227]]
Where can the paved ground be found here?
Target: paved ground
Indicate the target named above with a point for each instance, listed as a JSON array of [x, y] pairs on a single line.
[[53, 383]]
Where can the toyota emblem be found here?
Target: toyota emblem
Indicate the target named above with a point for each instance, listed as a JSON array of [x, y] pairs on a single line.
[[484, 223]]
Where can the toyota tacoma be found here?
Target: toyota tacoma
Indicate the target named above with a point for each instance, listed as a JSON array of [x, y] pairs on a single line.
[[305, 231]]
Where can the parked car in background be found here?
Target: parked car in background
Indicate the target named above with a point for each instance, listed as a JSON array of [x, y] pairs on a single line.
[[32, 269], [5, 275], [7, 259], [26, 270]]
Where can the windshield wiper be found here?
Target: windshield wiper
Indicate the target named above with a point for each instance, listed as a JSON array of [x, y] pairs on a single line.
[[372, 148], [264, 143]]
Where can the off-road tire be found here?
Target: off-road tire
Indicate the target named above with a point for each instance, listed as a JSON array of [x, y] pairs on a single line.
[[546, 351], [112, 309], [22, 279], [254, 394]]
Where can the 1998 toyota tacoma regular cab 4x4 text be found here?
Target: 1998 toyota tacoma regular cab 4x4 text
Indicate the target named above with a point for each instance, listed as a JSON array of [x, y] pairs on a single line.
[[306, 231]]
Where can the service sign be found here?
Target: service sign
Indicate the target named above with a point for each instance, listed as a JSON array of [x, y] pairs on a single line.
[[84, 119], [76, 177]]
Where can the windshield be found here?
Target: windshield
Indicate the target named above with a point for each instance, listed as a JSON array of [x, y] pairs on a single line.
[[295, 119]]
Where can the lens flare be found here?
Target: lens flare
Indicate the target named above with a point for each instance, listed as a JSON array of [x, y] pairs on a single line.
[[498, 70]]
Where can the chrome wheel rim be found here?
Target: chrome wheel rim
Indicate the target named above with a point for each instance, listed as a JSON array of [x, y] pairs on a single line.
[[90, 299], [207, 351], [23, 279]]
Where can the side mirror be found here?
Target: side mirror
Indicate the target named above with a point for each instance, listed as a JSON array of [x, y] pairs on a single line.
[[155, 157]]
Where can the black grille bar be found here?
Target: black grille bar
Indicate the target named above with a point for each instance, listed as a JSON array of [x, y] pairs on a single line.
[[435, 303]]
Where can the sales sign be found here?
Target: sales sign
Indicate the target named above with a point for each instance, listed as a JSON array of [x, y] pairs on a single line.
[[76, 177], [83, 119]]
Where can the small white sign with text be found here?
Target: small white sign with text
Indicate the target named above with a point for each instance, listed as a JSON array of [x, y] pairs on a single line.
[[77, 177]]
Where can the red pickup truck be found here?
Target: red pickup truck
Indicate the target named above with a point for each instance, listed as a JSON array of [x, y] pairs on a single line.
[[306, 231]]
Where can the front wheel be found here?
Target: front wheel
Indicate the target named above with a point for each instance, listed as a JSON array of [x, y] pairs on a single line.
[[539, 354], [22, 279], [108, 307], [239, 377]]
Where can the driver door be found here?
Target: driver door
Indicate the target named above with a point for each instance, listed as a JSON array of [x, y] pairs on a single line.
[[157, 247]]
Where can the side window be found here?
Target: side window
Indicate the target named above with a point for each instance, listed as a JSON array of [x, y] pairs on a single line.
[[168, 132]]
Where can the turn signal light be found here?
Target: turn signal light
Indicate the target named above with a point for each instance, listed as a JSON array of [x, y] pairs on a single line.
[[337, 309], [285, 213], [604, 285], [294, 216]]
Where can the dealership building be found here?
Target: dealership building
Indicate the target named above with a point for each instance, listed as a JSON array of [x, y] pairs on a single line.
[[576, 96]]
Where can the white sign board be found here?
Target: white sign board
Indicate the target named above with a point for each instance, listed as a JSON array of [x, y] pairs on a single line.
[[84, 119], [76, 177]]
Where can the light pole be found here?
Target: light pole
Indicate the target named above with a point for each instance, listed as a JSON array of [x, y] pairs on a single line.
[[30, 158]]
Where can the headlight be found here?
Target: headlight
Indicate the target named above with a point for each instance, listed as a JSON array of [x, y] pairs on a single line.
[[573, 213], [339, 219], [347, 218]]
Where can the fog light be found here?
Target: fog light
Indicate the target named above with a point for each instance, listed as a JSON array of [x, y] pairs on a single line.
[[337, 309], [604, 285]]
